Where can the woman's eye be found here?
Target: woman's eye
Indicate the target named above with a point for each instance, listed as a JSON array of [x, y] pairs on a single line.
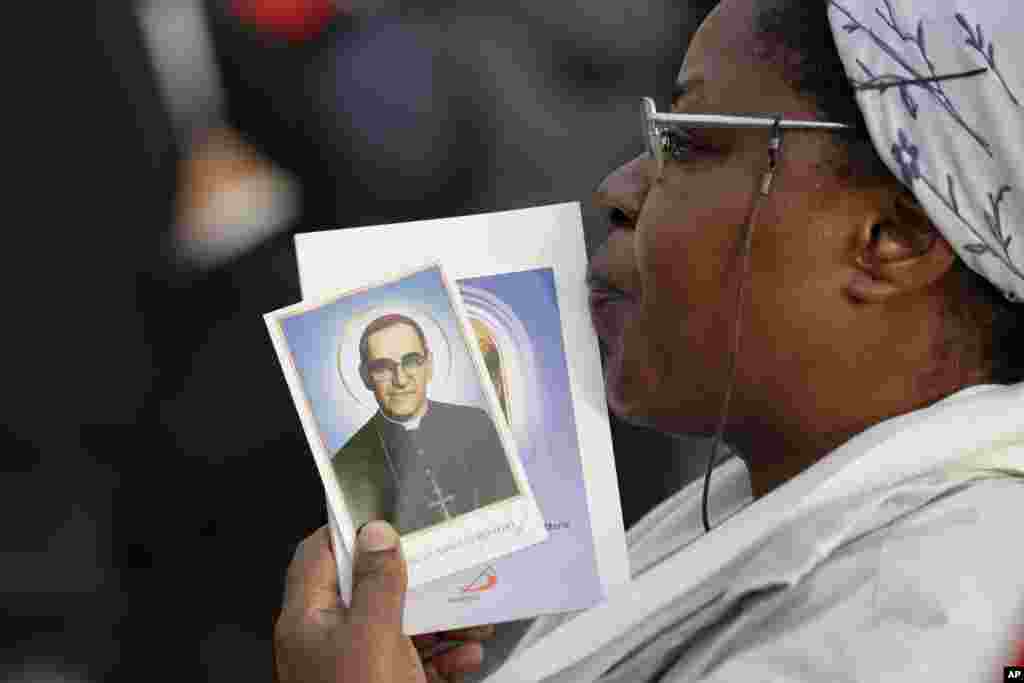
[[678, 145]]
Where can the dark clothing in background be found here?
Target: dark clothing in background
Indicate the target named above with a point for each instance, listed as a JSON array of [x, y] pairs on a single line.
[[155, 466], [85, 219]]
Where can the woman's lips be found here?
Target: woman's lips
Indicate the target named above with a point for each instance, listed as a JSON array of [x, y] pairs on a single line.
[[610, 311], [610, 307]]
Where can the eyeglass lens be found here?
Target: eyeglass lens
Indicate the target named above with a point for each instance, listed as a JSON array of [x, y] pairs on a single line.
[[385, 368]]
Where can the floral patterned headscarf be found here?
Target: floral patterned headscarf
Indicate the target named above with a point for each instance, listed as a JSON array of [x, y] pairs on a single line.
[[941, 86]]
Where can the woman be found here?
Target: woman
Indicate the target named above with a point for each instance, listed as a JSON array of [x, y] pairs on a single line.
[[874, 279]]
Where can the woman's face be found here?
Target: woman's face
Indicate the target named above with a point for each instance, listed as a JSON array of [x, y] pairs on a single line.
[[664, 285]]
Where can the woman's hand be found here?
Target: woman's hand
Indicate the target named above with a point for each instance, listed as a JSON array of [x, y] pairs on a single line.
[[318, 640]]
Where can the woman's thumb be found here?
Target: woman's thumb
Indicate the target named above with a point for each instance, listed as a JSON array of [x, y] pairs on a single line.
[[378, 577]]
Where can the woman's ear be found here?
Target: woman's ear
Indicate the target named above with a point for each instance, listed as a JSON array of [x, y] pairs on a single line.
[[897, 251]]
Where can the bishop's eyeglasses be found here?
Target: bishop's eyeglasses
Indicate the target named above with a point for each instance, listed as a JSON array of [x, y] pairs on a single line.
[[383, 369]]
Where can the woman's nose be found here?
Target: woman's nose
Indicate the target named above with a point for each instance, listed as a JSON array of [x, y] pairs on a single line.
[[621, 194]]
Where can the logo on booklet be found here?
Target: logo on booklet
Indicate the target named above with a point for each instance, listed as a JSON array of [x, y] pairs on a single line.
[[1013, 673], [485, 581]]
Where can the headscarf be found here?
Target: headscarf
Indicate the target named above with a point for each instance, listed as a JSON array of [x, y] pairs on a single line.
[[941, 87]]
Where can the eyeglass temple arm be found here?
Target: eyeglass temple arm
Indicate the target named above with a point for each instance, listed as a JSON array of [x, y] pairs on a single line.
[[720, 120]]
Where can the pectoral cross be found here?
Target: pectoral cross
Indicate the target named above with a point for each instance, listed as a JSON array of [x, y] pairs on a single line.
[[442, 500]]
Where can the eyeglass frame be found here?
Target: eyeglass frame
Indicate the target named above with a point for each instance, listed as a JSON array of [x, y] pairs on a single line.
[[655, 140], [391, 367]]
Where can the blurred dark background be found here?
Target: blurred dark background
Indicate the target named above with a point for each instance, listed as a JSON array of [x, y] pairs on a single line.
[[157, 478]]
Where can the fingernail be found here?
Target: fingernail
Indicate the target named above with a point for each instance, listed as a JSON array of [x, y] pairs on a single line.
[[377, 536]]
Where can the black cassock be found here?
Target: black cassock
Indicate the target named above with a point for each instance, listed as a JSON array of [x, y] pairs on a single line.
[[452, 464]]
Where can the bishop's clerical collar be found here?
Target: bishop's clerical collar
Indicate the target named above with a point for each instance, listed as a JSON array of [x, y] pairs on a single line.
[[410, 424]]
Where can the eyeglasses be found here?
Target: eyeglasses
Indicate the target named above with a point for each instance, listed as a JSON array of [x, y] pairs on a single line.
[[661, 130], [383, 369]]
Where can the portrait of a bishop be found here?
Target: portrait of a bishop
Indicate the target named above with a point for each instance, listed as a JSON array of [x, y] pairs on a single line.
[[418, 462]]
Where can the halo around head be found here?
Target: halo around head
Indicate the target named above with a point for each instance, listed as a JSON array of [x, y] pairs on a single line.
[[348, 350]]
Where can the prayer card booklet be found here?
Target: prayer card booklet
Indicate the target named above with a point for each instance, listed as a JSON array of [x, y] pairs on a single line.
[[404, 423], [522, 304]]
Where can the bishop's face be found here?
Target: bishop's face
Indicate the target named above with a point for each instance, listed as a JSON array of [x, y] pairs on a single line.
[[399, 369]]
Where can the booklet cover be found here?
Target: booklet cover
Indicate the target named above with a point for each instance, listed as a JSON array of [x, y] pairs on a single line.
[[404, 421], [521, 277]]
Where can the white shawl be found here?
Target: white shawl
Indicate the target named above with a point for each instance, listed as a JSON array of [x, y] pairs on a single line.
[[794, 586]]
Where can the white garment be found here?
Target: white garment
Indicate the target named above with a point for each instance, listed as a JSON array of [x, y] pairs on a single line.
[[900, 560], [670, 526]]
